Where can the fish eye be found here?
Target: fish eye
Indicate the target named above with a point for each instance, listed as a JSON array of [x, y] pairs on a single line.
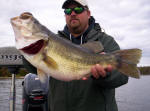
[[25, 15]]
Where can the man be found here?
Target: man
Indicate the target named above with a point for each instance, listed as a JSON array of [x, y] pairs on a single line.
[[96, 93]]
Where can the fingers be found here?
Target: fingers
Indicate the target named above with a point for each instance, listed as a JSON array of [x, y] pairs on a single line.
[[109, 68], [84, 78], [102, 53], [99, 71], [95, 72]]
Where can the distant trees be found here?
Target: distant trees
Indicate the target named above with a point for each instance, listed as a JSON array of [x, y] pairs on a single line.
[[22, 71], [145, 70], [5, 73]]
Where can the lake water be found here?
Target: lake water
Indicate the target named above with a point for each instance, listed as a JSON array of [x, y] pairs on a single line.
[[134, 96], [5, 85]]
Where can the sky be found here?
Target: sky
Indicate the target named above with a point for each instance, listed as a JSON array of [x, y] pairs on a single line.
[[128, 21]]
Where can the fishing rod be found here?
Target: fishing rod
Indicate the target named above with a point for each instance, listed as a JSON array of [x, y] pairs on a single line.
[[11, 58], [12, 99]]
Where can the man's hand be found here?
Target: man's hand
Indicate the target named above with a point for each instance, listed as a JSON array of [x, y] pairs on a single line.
[[99, 71]]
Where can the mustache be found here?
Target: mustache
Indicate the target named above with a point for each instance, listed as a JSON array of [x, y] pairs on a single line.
[[74, 18]]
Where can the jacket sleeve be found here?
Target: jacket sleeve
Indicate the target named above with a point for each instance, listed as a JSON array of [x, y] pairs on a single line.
[[113, 79]]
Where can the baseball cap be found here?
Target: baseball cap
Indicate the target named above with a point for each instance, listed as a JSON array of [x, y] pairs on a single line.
[[80, 2]]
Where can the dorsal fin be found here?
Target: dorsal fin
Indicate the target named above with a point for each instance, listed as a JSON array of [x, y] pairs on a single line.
[[94, 46]]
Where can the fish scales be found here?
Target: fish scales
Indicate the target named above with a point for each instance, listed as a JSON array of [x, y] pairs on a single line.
[[63, 60]]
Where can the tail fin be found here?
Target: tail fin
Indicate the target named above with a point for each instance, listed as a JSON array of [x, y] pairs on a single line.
[[128, 60]]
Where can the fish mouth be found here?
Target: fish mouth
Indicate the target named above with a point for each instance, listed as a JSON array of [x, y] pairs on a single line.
[[14, 21], [34, 48], [18, 20], [26, 15]]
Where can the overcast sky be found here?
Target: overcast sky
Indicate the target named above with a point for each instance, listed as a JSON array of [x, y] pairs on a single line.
[[128, 21]]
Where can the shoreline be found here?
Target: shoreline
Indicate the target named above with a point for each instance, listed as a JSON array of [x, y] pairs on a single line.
[[11, 77]]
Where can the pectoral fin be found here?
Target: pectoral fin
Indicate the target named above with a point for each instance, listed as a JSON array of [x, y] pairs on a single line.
[[94, 46], [41, 75], [50, 62]]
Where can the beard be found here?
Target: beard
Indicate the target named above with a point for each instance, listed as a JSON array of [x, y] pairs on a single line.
[[75, 26], [74, 23]]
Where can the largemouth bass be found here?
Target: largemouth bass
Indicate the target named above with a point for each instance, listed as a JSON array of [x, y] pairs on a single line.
[[63, 60]]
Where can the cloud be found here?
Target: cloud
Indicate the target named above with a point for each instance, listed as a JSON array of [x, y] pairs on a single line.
[[126, 20]]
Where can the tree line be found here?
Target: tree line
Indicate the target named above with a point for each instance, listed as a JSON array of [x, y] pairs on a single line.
[[145, 70], [4, 72]]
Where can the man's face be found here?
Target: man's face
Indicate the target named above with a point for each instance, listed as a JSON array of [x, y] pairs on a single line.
[[77, 23]]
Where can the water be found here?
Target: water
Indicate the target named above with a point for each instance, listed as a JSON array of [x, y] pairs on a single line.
[[135, 96], [5, 85]]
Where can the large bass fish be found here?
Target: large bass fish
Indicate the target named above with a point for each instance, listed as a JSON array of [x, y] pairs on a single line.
[[63, 60]]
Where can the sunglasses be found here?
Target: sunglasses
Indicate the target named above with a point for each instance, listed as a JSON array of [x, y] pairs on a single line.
[[77, 10]]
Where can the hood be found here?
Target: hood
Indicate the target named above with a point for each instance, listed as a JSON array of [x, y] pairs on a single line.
[[92, 25]]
